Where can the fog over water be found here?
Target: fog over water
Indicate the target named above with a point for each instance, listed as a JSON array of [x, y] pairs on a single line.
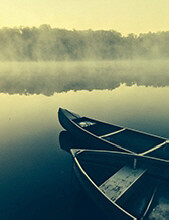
[[101, 74], [48, 78], [37, 180]]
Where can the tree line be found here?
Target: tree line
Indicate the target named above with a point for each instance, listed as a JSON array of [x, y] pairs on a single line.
[[53, 44]]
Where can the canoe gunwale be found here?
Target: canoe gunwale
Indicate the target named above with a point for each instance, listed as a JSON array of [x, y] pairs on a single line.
[[114, 146], [99, 190], [135, 156], [151, 199], [124, 127], [155, 167]]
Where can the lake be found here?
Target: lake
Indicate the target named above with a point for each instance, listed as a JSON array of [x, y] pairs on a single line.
[[37, 180]]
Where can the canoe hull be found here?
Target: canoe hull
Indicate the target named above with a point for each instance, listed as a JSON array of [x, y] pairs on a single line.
[[95, 134], [86, 138], [110, 210], [149, 184]]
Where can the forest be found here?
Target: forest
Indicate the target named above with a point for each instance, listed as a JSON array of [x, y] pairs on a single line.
[[52, 44]]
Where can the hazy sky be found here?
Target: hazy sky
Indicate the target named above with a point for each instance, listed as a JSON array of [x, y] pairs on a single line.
[[125, 16]]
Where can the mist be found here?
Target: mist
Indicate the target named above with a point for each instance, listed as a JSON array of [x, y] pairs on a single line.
[[48, 78], [53, 44], [46, 60]]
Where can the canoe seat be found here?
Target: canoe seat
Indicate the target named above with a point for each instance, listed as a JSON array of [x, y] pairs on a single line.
[[119, 187]]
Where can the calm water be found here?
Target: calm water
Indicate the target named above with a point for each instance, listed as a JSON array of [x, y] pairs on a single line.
[[37, 181]]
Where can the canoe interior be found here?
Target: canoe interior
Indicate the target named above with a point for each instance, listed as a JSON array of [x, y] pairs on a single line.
[[100, 170], [135, 141], [95, 127], [102, 165], [161, 205]]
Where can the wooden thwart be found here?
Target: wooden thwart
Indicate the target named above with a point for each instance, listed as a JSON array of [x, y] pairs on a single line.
[[112, 133], [118, 184]]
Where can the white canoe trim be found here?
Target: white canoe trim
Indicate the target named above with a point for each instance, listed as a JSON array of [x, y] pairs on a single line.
[[123, 148], [96, 136], [117, 145], [98, 121], [150, 202], [154, 148], [97, 187], [112, 133], [127, 128], [122, 152]]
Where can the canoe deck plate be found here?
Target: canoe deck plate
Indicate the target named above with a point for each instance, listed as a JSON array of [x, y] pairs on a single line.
[[85, 124], [118, 184]]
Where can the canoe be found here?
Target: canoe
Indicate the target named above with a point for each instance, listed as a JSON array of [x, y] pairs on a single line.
[[123, 185], [105, 136]]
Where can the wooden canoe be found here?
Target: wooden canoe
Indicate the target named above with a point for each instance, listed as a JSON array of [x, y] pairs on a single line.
[[123, 185], [101, 135]]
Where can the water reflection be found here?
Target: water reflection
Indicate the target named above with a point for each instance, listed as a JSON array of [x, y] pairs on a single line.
[[35, 173], [67, 142], [49, 77]]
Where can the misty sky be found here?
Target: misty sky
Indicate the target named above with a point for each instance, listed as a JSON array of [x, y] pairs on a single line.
[[125, 16]]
